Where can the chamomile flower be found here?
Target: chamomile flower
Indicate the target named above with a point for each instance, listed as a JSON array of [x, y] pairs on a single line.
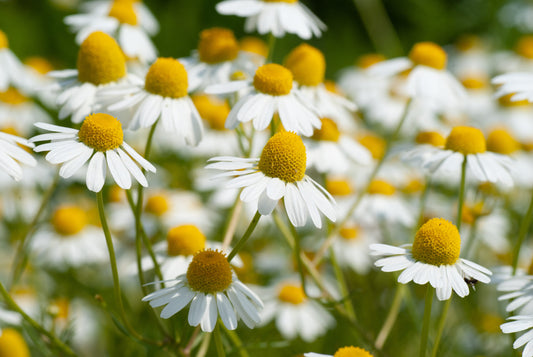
[[279, 173], [428, 78], [274, 16], [37, 69], [518, 290], [433, 257], [19, 111], [518, 84], [121, 21], [100, 141], [163, 95], [270, 92], [100, 64], [12, 155], [349, 351], [351, 247], [11, 70], [213, 290], [518, 324]]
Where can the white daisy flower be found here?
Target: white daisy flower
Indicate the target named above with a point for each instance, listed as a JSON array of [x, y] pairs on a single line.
[[279, 173], [518, 290], [163, 95], [12, 155], [213, 290], [121, 21], [433, 257], [521, 323], [37, 69], [270, 92], [99, 141], [428, 78], [275, 16], [19, 112], [100, 65], [351, 247], [350, 351], [11, 70]]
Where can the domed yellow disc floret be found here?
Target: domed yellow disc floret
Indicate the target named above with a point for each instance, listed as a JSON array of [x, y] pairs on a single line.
[[292, 294], [69, 220], [157, 205], [284, 157], [328, 131], [13, 97], [502, 142], [368, 60], [273, 79], [185, 240], [254, 45], [101, 132], [375, 144], [506, 101], [414, 185], [349, 232], [40, 64], [352, 352], [4, 43], [100, 60], [307, 64], [212, 110], [466, 140], [167, 77], [217, 45], [123, 11], [524, 47], [431, 138], [428, 54], [339, 187], [209, 272], [12, 344], [475, 82], [437, 242], [381, 187]]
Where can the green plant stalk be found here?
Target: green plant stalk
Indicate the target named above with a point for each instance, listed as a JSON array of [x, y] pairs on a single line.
[[245, 237], [423, 200], [391, 316], [271, 45], [427, 320], [461, 200], [440, 326], [237, 342], [231, 223], [522, 233], [348, 305], [218, 341], [297, 252]]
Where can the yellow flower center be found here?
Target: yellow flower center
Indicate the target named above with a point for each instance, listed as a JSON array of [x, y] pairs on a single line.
[[209, 272], [328, 131], [475, 82], [374, 144], [292, 294], [217, 45], [101, 132], [69, 220], [431, 138], [381, 187], [4, 43], [413, 186], [428, 54], [212, 110], [466, 140], [437, 242], [40, 64], [307, 64], [116, 194], [167, 77], [273, 79], [59, 308], [505, 101], [471, 213], [100, 60], [349, 232], [524, 47], [254, 45], [502, 142], [338, 187], [352, 352], [368, 60], [123, 11], [157, 205], [13, 97], [287, 1], [185, 240], [12, 344], [284, 157]]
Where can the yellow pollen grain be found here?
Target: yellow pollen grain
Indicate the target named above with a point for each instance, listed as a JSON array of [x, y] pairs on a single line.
[[217, 45], [349, 232], [124, 12], [101, 132], [167, 77], [273, 79], [100, 60], [254, 45], [430, 138], [338, 187], [328, 131], [213, 110], [352, 352], [524, 47], [466, 140], [13, 97], [12, 344], [4, 43], [437, 242], [502, 142], [368, 60], [284, 157], [157, 205], [307, 64], [291, 294], [381, 187], [69, 220], [209, 272], [375, 144], [428, 54], [475, 82], [39, 64], [506, 101], [185, 240]]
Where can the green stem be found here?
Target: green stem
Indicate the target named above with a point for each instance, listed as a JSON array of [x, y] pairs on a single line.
[[522, 233], [348, 304], [231, 225], [471, 238], [423, 200], [440, 326], [297, 251], [245, 237], [461, 194], [237, 342], [51, 338], [427, 320], [391, 316], [218, 341], [271, 45]]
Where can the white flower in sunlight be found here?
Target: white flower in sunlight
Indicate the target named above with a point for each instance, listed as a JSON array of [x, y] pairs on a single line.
[[521, 323], [11, 155], [11, 70]]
